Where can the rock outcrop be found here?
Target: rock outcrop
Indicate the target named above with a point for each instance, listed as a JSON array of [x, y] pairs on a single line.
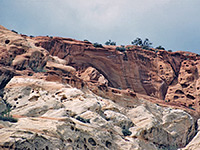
[[68, 94], [56, 116], [170, 76], [194, 144]]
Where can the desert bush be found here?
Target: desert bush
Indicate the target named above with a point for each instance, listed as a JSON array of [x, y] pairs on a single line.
[[130, 47], [190, 107], [160, 47], [126, 132], [146, 44], [10, 119], [121, 49], [5, 115], [137, 41], [97, 45], [14, 31], [109, 42], [83, 119], [113, 43]]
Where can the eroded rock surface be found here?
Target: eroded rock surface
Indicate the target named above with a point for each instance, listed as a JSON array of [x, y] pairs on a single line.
[[171, 76], [54, 115], [68, 94]]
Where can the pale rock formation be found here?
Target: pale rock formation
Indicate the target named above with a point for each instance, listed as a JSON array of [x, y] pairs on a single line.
[[168, 127], [195, 143], [66, 69], [91, 74], [56, 116]]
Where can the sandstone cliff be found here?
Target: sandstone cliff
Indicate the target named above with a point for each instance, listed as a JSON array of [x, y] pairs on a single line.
[[170, 76], [68, 94]]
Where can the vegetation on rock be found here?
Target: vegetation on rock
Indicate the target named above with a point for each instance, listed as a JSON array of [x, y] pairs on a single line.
[[146, 44], [121, 49], [126, 132], [160, 47], [109, 42], [83, 119], [5, 115], [97, 45]]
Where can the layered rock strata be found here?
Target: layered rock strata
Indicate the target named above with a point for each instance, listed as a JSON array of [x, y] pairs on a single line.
[[68, 94], [170, 76], [56, 116]]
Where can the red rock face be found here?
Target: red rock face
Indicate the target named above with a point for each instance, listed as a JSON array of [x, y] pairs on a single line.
[[17, 56], [186, 91], [170, 76]]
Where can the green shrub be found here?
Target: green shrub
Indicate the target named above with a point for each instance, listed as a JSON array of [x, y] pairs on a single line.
[[14, 31], [113, 43], [160, 47], [109, 42], [190, 107], [121, 49], [146, 44], [130, 47], [83, 119], [10, 119], [137, 41], [97, 45], [5, 115], [126, 132]]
